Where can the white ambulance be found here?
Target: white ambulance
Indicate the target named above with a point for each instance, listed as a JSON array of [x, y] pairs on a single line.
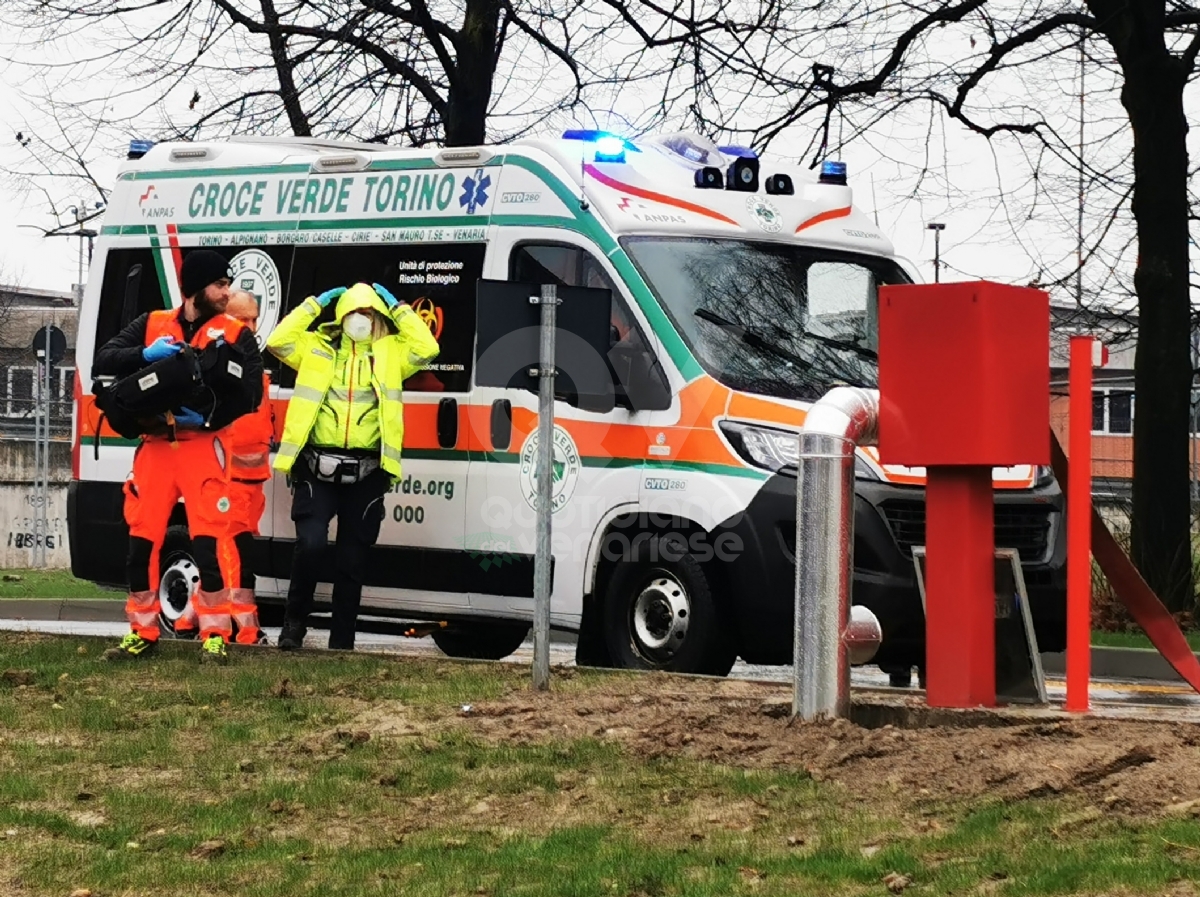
[[741, 291]]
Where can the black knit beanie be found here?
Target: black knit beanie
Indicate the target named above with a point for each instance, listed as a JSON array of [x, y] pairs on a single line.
[[200, 268]]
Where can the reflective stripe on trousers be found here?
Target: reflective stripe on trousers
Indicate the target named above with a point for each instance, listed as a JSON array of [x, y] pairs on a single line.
[[212, 610], [141, 608], [245, 613]]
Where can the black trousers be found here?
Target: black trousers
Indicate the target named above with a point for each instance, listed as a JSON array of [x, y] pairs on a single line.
[[359, 511]]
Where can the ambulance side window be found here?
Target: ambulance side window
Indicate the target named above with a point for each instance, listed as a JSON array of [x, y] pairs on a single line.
[[571, 266], [131, 288]]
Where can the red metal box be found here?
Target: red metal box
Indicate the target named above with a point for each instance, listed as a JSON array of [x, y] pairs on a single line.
[[964, 374]]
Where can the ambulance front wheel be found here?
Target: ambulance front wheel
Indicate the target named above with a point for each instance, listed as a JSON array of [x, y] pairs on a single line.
[[660, 613], [179, 577], [482, 641]]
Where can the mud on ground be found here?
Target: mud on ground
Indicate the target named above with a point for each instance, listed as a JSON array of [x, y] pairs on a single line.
[[1124, 767]]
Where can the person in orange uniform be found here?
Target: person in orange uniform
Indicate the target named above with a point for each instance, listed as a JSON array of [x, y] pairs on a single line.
[[250, 438], [185, 460]]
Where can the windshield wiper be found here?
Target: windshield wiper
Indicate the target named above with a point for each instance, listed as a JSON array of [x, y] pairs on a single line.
[[843, 344], [752, 338]]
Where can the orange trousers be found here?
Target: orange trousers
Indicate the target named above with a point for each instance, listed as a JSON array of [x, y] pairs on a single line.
[[163, 472]]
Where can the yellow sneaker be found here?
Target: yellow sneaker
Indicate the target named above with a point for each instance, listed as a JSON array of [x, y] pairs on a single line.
[[133, 645], [213, 650]]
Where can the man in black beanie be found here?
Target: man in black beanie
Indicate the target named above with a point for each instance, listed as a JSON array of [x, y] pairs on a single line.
[[188, 461]]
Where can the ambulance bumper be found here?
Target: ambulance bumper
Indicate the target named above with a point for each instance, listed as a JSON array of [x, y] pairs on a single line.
[[888, 521]]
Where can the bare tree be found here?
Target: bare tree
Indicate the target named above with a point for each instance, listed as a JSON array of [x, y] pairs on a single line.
[[838, 71], [368, 69]]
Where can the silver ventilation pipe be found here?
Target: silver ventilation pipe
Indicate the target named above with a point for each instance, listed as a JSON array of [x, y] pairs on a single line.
[[830, 635]]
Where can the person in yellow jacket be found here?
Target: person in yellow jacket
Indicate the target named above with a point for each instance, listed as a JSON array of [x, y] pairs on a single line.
[[342, 437]]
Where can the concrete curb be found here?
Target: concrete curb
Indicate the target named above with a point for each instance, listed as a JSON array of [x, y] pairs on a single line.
[[1107, 663], [76, 610], [1118, 663]]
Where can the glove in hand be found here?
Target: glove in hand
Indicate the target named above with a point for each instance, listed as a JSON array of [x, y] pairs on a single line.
[[163, 347], [186, 417], [329, 295], [386, 295]]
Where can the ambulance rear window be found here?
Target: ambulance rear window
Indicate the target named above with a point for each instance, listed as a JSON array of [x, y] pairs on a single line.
[[131, 288]]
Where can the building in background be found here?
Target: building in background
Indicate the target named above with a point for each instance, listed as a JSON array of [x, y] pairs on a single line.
[[22, 313]]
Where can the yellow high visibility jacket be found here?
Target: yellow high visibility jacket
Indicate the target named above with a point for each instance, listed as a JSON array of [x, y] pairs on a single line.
[[322, 404]]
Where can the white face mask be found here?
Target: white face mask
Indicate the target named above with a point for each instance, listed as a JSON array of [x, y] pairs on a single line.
[[357, 326]]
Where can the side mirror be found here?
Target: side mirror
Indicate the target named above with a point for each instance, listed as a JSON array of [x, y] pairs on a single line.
[[640, 373]]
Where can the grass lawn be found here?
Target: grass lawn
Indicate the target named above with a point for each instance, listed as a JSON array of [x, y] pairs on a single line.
[[1137, 639], [325, 774], [43, 583]]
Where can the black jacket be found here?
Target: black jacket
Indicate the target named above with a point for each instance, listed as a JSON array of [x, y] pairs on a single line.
[[122, 355]]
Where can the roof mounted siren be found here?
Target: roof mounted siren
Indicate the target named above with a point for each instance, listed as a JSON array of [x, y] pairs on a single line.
[[779, 185], [139, 148], [742, 175]]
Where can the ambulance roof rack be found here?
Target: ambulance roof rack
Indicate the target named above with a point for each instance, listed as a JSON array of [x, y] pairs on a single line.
[[315, 143]]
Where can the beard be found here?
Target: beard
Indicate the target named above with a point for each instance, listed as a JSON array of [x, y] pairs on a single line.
[[209, 306]]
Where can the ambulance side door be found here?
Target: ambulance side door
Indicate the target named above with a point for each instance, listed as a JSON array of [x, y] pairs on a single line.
[[598, 456]]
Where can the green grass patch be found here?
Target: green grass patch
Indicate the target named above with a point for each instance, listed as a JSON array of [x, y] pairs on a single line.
[[41, 583], [1137, 639], [324, 774]]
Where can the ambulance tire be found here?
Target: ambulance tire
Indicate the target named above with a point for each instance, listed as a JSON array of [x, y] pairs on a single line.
[[482, 641], [660, 613], [179, 577]]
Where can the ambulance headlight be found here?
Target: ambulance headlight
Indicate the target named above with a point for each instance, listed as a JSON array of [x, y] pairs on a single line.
[[610, 149], [763, 447]]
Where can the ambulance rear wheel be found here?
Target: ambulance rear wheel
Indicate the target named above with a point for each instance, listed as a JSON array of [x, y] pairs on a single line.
[[482, 641], [178, 579], [660, 613]]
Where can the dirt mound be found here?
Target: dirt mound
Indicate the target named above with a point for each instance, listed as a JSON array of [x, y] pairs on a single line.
[[1132, 768]]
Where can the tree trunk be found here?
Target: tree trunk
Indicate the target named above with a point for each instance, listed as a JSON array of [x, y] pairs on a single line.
[[1153, 97], [285, 71], [471, 81]]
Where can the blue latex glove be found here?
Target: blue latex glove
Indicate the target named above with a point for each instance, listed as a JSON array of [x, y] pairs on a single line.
[[329, 295], [163, 347], [186, 417], [385, 295]]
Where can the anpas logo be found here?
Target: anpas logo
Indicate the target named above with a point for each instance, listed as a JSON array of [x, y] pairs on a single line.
[[255, 272], [564, 470], [648, 214], [475, 195], [431, 314], [151, 207], [768, 216]]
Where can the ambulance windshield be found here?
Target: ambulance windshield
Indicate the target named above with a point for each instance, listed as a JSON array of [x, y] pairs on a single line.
[[770, 318]]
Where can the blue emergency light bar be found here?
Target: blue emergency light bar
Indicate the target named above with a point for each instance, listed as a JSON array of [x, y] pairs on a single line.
[[741, 152], [833, 173], [139, 148]]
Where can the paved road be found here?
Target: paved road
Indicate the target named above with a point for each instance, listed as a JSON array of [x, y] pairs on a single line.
[[1168, 700]]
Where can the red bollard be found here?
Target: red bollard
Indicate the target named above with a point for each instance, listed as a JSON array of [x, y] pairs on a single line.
[[964, 383], [1084, 356]]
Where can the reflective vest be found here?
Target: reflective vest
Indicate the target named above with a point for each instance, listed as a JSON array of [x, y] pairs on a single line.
[[249, 439], [166, 323], [312, 353]]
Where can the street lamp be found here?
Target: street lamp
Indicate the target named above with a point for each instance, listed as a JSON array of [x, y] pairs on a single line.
[[937, 229]]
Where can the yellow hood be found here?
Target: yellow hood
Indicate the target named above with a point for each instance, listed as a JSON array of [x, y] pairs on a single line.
[[360, 296]]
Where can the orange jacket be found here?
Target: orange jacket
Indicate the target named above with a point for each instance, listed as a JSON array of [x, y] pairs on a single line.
[[249, 439], [166, 323]]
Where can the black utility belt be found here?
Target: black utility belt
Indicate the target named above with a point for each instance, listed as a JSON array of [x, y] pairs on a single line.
[[342, 468]]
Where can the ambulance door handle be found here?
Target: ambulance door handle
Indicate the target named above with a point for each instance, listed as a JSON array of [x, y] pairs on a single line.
[[501, 425], [447, 423]]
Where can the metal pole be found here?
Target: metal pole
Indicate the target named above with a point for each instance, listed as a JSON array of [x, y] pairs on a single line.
[[825, 625], [937, 256], [41, 452], [37, 452], [545, 491]]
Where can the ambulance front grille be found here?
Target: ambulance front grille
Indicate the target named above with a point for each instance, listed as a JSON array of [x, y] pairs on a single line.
[[1023, 527]]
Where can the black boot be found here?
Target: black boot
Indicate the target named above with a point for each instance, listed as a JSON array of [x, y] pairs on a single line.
[[292, 636]]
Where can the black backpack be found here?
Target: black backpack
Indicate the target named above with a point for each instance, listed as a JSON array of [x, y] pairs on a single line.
[[133, 403]]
